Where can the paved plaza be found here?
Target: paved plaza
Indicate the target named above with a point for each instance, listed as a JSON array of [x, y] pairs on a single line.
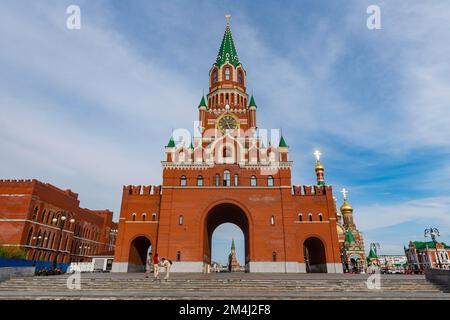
[[222, 286]]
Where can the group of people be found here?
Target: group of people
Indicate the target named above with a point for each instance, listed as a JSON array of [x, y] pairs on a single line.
[[156, 264]]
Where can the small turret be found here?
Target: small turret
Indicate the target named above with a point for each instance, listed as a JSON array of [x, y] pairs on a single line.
[[319, 169]]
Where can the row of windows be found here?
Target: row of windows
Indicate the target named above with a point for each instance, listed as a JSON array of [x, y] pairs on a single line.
[[226, 180], [143, 217], [310, 217], [228, 75]]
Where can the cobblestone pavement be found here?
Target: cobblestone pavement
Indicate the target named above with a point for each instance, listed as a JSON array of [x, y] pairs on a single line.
[[222, 286]]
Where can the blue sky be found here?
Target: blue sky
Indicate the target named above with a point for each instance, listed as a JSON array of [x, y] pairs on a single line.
[[91, 109]]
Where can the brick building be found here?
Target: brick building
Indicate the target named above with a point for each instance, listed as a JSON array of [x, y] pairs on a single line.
[[229, 172], [423, 255], [32, 214]]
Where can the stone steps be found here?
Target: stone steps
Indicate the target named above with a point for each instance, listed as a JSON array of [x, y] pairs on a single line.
[[184, 287]]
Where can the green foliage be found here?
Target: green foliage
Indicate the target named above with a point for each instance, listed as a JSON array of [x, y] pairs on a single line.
[[12, 252]]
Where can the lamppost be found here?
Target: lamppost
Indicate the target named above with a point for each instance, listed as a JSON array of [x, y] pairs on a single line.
[[62, 223], [433, 232]]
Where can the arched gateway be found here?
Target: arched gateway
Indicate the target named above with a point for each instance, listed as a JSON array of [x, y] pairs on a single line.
[[218, 215], [205, 183], [139, 249]]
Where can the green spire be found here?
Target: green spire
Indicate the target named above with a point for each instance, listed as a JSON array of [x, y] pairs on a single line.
[[203, 103], [233, 248], [227, 51], [191, 146], [171, 143], [349, 238], [372, 254], [282, 143], [252, 102]]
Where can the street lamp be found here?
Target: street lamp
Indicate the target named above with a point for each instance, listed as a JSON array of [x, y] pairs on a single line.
[[433, 232], [62, 223]]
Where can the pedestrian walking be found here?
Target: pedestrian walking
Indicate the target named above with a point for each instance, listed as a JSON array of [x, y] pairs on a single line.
[[167, 264], [148, 264], [156, 266]]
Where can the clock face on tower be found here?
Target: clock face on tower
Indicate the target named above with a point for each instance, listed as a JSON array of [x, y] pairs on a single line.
[[227, 122]]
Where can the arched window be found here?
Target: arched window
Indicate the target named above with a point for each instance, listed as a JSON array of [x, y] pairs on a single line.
[[183, 181], [236, 180], [274, 256], [217, 180], [272, 220], [29, 237], [310, 216], [214, 76], [239, 76], [133, 217], [227, 73], [320, 217], [253, 181], [199, 181], [226, 178], [180, 219], [270, 181], [35, 212], [300, 217], [154, 217], [144, 216], [43, 216], [178, 255]]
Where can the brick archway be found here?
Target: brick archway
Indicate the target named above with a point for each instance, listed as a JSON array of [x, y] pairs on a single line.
[[225, 213], [315, 256], [137, 257]]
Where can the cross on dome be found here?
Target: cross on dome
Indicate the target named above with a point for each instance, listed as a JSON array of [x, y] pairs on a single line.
[[317, 154], [344, 193], [228, 17]]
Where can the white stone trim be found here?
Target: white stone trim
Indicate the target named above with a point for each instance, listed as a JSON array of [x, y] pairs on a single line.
[[119, 267], [335, 268], [268, 266], [187, 266]]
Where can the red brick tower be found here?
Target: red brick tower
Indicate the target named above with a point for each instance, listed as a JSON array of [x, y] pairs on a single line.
[[228, 175]]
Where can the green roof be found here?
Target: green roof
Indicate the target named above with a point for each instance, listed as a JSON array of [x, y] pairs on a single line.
[[282, 143], [171, 143], [227, 51], [430, 244], [232, 245], [372, 254], [252, 102], [349, 238], [203, 103]]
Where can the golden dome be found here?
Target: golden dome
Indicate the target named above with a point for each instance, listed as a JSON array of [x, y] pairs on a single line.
[[319, 166], [338, 215], [346, 207]]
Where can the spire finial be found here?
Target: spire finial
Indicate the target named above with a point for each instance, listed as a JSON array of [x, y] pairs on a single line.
[[317, 154], [344, 193], [228, 17]]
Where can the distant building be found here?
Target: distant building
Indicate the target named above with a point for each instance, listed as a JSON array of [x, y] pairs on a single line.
[[233, 264], [427, 255], [31, 213], [393, 263]]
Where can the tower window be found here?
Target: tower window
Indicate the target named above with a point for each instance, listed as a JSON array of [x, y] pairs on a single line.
[[183, 181], [300, 217], [154, 217], [178, 255], [236, 180], [35, 212], [320, 217], [270, 181], [253, 181], [310, 217], [199, 181], [227, 73], [217, 180], [274, 256], [272, 220], [239, 76], [180, 219], [226, 178], [144, 216], [133, 216], [214, 76]]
